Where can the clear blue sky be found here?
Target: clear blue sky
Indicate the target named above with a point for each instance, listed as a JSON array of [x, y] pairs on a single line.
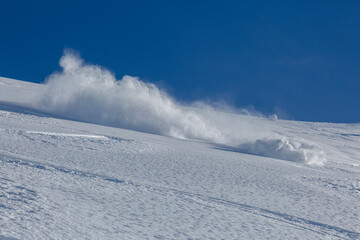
[[298, 58]]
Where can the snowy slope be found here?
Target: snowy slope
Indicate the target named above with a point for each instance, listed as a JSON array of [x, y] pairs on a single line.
[[63, 179]]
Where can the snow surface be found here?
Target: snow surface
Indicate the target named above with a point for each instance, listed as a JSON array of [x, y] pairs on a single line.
[[261, 179]]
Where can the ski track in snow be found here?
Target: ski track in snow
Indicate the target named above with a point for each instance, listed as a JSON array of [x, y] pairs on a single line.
[[306, 224]]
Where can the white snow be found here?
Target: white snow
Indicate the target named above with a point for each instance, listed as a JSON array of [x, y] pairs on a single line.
[[65, 179], [67, 135], [91, 93]]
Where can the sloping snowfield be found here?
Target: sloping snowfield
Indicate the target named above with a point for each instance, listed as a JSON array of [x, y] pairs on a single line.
[[64, 179]]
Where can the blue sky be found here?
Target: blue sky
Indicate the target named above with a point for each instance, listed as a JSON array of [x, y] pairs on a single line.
[[300, 59]]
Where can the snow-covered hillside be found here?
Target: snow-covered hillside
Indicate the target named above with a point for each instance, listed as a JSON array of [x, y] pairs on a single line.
[[245, 178]]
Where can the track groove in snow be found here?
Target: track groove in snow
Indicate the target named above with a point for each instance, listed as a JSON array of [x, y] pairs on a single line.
[[306, 224]]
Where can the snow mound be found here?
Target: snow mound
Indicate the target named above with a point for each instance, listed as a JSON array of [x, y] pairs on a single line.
[[286, 149], [91, 93]]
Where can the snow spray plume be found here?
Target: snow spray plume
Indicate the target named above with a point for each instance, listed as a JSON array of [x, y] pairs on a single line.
[[91, 93]]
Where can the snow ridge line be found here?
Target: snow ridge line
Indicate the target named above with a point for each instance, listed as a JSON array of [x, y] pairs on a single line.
[[68, 135], [198, 198]]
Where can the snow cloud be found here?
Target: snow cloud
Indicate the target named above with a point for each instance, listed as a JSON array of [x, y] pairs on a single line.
[[91, 93]]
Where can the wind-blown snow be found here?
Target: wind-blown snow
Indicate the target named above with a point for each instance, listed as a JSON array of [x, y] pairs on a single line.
[[91, 93], [62, 179]]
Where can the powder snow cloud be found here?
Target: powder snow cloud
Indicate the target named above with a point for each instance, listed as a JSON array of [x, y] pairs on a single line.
[[92, 93]]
